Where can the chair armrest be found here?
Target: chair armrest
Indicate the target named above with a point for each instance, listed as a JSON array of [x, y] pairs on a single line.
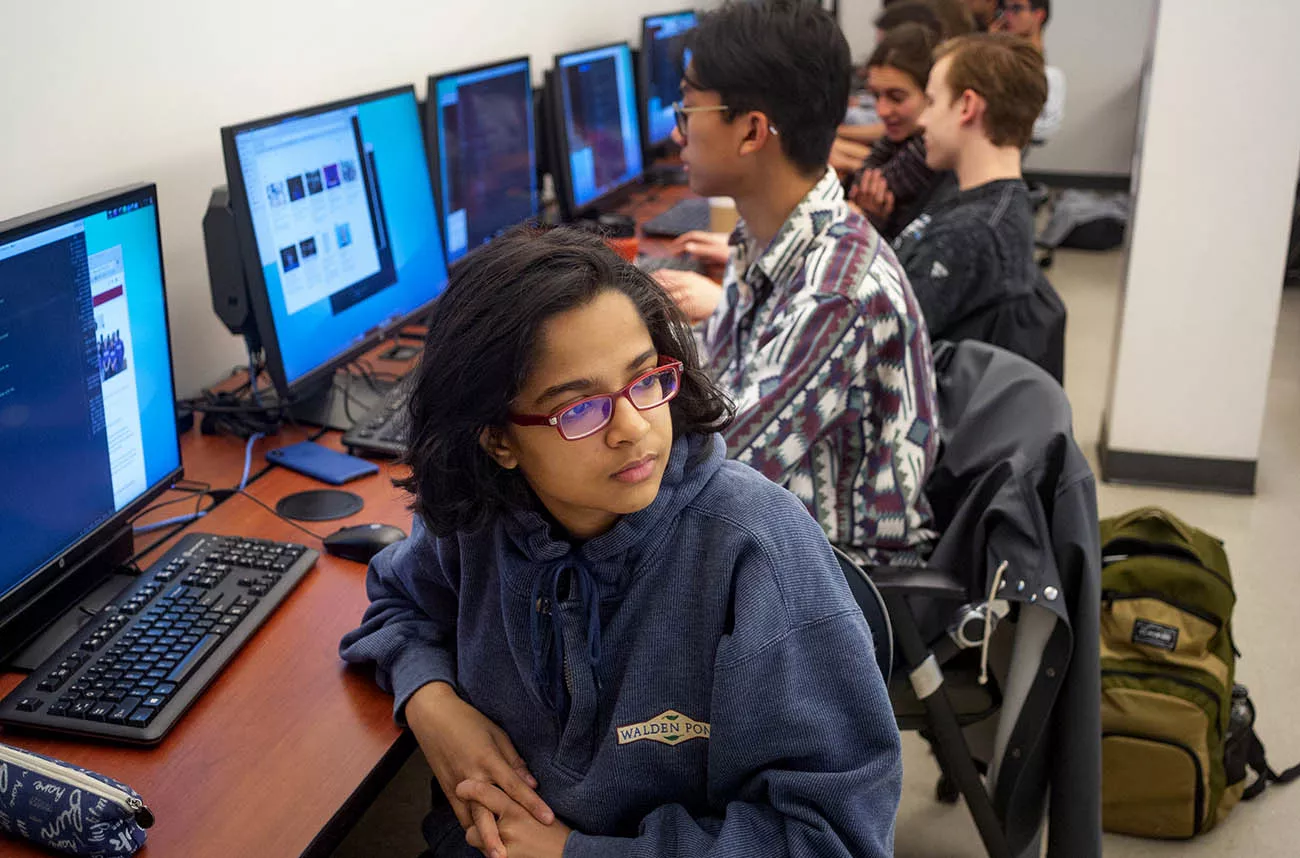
[[917, 581]]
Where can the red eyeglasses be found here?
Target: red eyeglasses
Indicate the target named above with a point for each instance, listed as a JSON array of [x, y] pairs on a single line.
[[588, 416]]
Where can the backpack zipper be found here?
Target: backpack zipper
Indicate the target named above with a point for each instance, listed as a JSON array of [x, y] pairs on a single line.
[[1142, 548], [1177, 680], [142, 815], [1199, 795], [1110, 596]]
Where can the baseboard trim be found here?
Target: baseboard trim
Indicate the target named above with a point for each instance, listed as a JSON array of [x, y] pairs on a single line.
[[1082, 181], [1228, 476]]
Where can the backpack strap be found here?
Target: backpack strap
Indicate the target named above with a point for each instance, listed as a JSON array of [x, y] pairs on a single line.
[[1257, 760]]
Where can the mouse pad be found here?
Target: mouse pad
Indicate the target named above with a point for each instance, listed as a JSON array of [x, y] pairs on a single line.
[[319, 505]]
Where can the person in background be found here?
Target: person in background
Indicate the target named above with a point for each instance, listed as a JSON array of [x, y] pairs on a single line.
[[975, 248], [862, 127], [608, 640], [1028, 19], [983, 13], [895, 183], [815, 333]]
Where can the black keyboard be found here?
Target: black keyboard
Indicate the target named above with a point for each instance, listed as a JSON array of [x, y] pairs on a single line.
[[651, 264], [381, 431], [680, 219], [131, 671]]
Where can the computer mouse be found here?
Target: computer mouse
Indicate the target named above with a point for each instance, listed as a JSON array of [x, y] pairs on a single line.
[[362, 541]]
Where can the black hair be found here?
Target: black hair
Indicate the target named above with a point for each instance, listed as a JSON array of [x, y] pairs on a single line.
[[1045, 6], [910, 12], [786, 58], [479, 351]]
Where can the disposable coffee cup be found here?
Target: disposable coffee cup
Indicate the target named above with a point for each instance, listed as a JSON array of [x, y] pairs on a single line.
[[722, 214]]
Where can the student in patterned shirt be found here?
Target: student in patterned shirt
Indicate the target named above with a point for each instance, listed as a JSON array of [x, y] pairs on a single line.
[[815, 332]]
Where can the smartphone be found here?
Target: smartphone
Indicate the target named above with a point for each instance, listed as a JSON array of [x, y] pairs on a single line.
[[322, 463]]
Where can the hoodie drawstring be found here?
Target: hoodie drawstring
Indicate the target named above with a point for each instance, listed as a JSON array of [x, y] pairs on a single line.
[[548, 650]]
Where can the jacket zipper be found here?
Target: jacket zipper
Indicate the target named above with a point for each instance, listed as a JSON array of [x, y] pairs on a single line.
[[143, 816], [1110, 596], [1196, 766]]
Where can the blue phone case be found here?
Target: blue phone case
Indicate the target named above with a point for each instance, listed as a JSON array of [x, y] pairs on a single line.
[[322, 463]]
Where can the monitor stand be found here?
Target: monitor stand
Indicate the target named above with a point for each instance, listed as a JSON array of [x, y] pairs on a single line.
[[331, 407], [74, 601]]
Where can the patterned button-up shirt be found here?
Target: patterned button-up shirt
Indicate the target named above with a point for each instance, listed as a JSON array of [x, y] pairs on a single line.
[[819, 340]]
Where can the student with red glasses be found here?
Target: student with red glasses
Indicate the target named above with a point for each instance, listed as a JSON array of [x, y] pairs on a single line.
[[608, 639]]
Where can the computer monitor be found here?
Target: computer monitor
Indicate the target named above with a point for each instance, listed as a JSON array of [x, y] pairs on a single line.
[[87, 403], [482, 140], [598, 134], [334, 213], [663, 60]]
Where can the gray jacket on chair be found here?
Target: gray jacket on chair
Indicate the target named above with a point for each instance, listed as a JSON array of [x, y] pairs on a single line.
[[1011, 485]]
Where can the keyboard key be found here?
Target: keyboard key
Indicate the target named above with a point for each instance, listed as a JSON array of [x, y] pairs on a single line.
[[59, 707], [123, 711], [155, 701], [166, 689], [29, 704], [80, 708], [141, 717], [100, 711], [194, 659]]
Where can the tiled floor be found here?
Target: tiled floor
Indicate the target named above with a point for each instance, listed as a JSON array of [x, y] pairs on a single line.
[[1262, 534]]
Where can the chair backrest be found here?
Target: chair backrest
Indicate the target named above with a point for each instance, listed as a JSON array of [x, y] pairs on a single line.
[[873, 608], [1031, 325]]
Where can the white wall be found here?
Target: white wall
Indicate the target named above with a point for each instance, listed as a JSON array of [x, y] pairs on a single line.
[[99, 94], [1099, 45], [1207, 243]]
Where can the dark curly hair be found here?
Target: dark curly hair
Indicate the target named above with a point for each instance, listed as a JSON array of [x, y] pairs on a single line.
[[482, 334]]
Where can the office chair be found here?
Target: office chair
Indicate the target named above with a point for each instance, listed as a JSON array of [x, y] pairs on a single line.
[[1004, 621], [1031, 325]]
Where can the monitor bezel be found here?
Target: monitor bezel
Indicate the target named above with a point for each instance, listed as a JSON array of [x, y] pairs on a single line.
[[643, 79], [433, 140], [71, 562], [260, 300], [560, 168]]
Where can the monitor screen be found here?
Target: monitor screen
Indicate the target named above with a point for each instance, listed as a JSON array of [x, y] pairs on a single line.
[[344, 240], [599, 129], [663, 61], [482, 120], [86, 398]]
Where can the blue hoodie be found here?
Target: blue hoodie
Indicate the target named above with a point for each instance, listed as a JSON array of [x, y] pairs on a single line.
[[696, 681]]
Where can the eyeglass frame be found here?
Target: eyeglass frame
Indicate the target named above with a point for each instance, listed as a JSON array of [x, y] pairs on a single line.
[[553, 419], [682, 114]]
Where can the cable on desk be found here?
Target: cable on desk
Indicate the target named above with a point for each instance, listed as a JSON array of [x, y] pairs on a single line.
[[277, 514], [131, 561], [177, 519], [248, 458]]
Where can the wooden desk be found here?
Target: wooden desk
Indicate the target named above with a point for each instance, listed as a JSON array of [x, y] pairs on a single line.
[[283, 751]]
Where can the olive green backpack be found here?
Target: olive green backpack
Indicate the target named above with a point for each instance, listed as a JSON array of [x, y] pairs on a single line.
[[1177, 732]]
